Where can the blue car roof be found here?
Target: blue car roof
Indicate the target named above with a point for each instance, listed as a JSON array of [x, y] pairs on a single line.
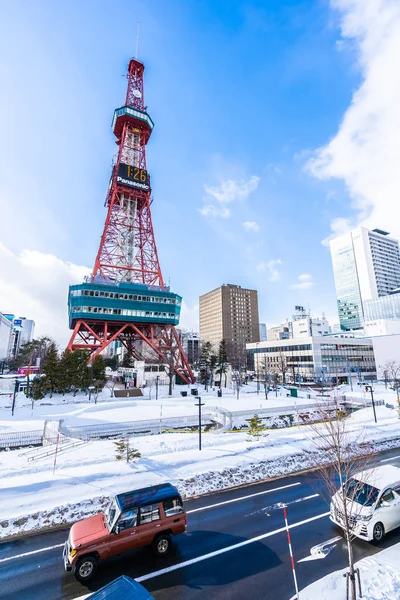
[[123, 588], [148, 495]]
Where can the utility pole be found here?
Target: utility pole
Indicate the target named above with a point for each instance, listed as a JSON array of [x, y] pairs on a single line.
[[16, 389], [368, 388], [199, 404]]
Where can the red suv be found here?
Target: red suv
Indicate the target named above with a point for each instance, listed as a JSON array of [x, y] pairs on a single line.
[[149, 516]]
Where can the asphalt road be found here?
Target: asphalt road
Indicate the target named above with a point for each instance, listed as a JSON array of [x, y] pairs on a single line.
[[235, 548]]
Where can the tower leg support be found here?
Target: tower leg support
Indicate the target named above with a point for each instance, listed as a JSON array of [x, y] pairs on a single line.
[[163, 339]]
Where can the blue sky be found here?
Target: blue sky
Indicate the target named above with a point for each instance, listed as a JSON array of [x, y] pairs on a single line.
[[242, 93]]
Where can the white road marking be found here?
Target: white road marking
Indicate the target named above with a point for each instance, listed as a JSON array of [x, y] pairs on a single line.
[[322, 550], [2, 560], [283, 487], [198, 559], [278, 505], [387, 459]]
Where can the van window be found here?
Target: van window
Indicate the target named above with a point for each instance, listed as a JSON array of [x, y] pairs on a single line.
[[387, 495], [173, 507], [149, 513], [362, 493], [128, 519]]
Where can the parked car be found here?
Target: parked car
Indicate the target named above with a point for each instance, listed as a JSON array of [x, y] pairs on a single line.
[[373, 503], [149, 516]]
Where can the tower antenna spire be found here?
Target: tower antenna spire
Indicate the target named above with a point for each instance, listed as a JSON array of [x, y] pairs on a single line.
[[137, 39]]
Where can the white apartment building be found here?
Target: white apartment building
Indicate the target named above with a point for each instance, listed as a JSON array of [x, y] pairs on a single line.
[[6, 330], [366, 267], [315, 358], [310, 326]]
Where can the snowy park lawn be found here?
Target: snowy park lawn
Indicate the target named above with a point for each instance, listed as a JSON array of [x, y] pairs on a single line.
[[86, 476], [79, 411], [380, 579]]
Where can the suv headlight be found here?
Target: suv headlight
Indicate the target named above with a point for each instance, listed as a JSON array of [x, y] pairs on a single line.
[[365, 518]]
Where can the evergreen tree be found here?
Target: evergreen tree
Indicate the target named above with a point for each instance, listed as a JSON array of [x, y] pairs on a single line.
[[98, 372], [123, 451], [128, 361], [112, 362], [66, 371], [205, 359], [213, 364], [37, 388], [222, 361], [256, 427], [51, 368]]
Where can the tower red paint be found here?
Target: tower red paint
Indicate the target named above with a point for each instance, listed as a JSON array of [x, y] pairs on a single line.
[[125, 298]]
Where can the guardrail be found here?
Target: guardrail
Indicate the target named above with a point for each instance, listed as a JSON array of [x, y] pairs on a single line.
[[150, 426], [20, 439]]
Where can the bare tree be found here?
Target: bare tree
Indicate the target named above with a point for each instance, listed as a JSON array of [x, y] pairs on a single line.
[[267, 373], [347, 494], [282, 366], [391, 371]]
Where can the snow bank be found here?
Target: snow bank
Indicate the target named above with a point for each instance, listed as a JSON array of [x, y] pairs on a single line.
[[380, 579]]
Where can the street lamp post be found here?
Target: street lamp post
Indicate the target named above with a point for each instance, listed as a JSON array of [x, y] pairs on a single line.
[[368, 388], [199, 404], [157, 378], [16, 389], [349, 370], [257, 373]]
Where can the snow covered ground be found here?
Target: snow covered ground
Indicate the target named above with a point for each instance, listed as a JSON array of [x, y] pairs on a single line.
[[86, 476], [380, 579], [79, 411]]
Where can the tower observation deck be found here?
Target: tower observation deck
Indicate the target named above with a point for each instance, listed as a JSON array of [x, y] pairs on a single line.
[[125, 297]]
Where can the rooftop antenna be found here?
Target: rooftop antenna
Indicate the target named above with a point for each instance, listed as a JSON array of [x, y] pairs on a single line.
[[137, 39]]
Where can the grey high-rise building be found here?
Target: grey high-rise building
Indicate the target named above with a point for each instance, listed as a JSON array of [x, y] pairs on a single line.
[[366, 267], [230, 313]]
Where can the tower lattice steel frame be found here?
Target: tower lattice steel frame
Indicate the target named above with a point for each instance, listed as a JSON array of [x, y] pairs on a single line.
[[127, 255]]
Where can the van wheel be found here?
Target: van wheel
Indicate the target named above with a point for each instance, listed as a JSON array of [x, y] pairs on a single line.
[[85, 568], [162, 544], [378, 532]]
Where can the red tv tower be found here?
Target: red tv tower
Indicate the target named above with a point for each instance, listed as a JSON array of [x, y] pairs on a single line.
[[125, 297]]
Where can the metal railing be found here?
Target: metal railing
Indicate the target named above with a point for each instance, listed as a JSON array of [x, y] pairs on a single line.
[[20, 439]]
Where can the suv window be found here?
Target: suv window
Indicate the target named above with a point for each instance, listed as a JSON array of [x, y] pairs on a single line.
[[128, 519], [149, 513], [173, 507], [387, 495]]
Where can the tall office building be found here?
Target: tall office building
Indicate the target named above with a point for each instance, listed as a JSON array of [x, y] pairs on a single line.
[[230, 313], [263, 332], [366, 267]]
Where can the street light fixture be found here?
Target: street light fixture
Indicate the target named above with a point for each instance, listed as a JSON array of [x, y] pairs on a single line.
[[199, 404], [369, 388]]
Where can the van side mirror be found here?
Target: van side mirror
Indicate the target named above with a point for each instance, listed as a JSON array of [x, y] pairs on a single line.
[[385, 503], [116, 529]]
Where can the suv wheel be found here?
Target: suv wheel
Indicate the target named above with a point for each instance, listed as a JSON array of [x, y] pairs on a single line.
[[378, 532], [85, 568], [162, 544]]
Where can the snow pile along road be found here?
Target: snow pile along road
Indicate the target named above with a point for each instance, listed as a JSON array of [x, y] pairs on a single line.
[[380, 579]]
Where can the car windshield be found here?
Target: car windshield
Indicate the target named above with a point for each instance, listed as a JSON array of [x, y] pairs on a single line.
[[110, 514], [360, 492]]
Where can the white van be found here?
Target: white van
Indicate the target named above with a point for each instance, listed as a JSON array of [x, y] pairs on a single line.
[[374, 503]]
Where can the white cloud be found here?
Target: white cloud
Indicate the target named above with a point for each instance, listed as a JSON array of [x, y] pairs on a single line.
[[210, 210], [364, 152], [271, 267], [189, 317], [35, 285], [227, 192], [231, 190], [250, 226], [304, 282]]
